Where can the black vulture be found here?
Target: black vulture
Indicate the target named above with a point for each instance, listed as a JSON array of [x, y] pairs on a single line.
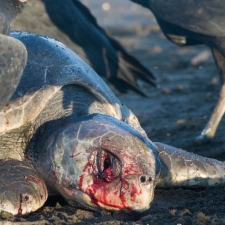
[[193, 22], [106, 55]]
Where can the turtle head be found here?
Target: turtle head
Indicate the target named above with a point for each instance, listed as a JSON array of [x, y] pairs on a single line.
[[102, 162]]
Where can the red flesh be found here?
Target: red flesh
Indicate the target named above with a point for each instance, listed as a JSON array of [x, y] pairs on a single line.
[[20, 210], [100, 191]]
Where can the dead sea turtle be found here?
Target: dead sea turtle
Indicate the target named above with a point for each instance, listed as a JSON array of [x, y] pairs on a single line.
[[13, 54], [64, 132]]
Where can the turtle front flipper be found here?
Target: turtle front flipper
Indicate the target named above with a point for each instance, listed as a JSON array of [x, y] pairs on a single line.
[[180, 168], [21, 189], [13, 56]]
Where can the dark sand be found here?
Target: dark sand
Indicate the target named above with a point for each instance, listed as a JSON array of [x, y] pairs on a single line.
[[174, 114]]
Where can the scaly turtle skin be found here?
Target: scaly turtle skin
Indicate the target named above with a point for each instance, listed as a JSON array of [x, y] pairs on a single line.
[[13, 54], [63, 131]]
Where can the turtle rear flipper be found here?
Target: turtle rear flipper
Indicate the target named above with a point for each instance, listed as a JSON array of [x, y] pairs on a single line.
[[180, 168], [21, 189], [13, 56]]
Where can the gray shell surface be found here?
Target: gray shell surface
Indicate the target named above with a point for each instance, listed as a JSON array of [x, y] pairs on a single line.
[[50, 66]]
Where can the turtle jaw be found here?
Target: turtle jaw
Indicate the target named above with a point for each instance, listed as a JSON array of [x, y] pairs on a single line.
[[125, 193]]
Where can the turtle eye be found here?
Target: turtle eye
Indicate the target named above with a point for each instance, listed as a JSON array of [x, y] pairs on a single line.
[[108, 166], [107, 163]]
